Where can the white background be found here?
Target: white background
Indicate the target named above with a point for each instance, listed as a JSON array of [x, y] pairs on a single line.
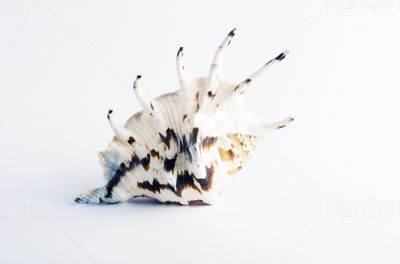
[[324, 190]]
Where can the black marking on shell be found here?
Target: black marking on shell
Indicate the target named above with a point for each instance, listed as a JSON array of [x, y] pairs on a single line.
[[184, 181], [109, 113], [180, 51], [146, 162], [78, 200], [155, 186], [232, 33], [151, 106], [184, 117], [184, 148], [135, 161], [123, 169], [169, 164], [193, 136], [131, 140], [137, 78], [280, 56], [155, 153], [170, 134], [247, 81], [281, 126], [116, 179], [207, 182]]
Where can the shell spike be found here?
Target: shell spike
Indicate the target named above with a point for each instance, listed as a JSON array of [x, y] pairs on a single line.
[[185, 81], [215, 65], [246, 83], [215, 72], [143, 99], [180, 67], [220, 51], [121, 133], [269, 127], [183, 75]]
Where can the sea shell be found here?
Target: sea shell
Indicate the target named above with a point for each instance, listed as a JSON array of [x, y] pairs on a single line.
[[185, 146]]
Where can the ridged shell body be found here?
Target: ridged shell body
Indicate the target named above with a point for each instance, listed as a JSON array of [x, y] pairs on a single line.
[[185, 146]]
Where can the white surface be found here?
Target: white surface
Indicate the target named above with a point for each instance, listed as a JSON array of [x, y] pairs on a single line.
[[324, 190]]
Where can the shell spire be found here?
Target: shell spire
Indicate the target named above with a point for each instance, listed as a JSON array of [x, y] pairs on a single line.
[[183, 147]]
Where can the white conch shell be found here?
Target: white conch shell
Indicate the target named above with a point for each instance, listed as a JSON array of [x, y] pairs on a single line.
[[184, 146]]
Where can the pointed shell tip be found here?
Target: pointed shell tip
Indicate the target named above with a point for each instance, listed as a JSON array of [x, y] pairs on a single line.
[[232, 33]]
